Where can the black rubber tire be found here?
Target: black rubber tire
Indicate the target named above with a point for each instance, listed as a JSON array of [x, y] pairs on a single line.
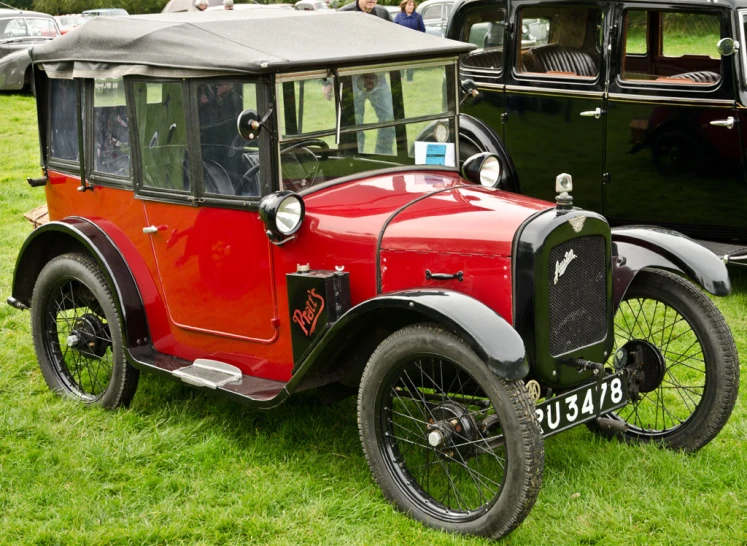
[[697, 346], [388, 455], [94, 370]]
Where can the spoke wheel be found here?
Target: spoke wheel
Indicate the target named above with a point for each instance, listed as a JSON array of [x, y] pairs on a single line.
[[450, 443], [77, 333], [690, 362]]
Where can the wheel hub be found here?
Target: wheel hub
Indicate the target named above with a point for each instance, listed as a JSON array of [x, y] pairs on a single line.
[[451, 431], [650, 363], [88, 336]]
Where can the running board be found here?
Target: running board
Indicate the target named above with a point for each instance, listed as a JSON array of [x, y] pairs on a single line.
[[729, 253], [208, 373], [224, 379]]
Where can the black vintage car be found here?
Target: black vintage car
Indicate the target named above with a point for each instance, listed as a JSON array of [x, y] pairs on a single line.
[[643, 103]]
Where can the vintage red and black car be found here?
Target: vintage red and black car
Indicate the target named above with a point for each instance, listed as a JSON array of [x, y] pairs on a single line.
[[257, 218], [642, 102]]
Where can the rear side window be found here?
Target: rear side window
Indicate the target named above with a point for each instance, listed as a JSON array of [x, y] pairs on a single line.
[[111, 133], [63, 124], [683, 51], [486, 30], [162, 136], [560, 41]]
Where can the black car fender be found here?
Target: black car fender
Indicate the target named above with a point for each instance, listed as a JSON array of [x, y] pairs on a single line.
[[637, 247], [493, 339], [75, 234], [476, 136]]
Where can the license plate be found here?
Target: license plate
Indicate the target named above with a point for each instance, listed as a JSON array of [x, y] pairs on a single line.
[[580, 405]]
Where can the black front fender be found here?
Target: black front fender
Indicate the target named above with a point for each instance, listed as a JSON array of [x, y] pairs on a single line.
[[635, 248], [490, 336]]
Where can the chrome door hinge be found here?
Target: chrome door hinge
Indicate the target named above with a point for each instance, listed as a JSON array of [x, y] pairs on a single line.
[[504, 117], [196, 200], [606, 178]]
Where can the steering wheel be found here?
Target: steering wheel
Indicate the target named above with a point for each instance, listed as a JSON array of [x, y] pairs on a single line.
[[239, 145], [302, 158]]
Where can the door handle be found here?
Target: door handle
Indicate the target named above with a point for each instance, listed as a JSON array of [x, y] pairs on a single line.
[[596, 113], [150, 229], [728, 122]]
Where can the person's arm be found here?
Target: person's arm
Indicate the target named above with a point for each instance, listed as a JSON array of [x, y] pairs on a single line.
[[421, 24]]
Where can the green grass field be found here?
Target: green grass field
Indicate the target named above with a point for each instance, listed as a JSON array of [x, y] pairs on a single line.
[[181, 467]]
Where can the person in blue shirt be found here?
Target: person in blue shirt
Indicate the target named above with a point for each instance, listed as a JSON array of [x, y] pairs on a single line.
[[409, 18]]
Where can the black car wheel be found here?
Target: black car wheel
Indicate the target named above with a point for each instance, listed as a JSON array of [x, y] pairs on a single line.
[[78, 335], [691, 367], [449, 442]]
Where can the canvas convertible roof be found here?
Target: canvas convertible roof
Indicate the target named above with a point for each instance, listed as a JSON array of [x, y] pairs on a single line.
[[250, 42]]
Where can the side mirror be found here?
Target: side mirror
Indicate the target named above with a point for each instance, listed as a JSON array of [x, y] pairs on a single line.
[[727, 46], [470, 91], [249, 124]]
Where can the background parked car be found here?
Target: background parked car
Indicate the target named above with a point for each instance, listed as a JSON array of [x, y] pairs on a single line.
[[175, 6], [106, 12], [19, 30], [69, 22], [435, 15], [311, 5], [644, 107]]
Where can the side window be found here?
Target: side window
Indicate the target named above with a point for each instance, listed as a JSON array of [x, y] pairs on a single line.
[[63, 124], [560, 41], [432, 15], [41, 27], [162, 136], [685, 51], [486, 30], [230, 165], [636, 32], [15, 28], [111, 133]]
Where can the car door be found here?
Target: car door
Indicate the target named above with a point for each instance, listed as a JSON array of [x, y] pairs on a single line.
[[210, 246], [433, 19], [673, 150], [553, 120]]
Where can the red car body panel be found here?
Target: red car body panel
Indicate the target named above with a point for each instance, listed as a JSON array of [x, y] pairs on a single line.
[[464, 229], [214, 286]]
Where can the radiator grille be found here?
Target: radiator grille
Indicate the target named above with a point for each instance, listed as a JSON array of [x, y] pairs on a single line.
[[577, 290]]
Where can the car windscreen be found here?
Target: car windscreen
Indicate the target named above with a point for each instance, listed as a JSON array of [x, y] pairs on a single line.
[[364, 119], [27, 27]]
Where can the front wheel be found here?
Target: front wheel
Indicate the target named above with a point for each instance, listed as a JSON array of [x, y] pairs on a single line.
[[690, 365], [78, 334], [448, 442]]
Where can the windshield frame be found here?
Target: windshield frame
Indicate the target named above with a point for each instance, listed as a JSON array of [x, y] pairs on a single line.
[[450, 66]]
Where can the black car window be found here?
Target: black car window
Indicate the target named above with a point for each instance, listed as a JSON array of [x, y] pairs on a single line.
[[226, 157], [63, 124], [111, 134], [486, 30], [685, 51], [569, 44], [162, 136]]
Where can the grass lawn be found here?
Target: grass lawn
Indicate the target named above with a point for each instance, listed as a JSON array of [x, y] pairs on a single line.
[[182, 467]]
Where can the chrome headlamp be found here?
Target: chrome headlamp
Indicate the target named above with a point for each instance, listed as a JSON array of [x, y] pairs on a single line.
[[282, 212], [483, 169]]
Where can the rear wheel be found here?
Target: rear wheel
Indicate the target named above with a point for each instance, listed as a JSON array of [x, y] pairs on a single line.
[[691, 367], [78, 335], [450, 443]]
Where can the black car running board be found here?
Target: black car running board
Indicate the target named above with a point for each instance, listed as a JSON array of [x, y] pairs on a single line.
[[222, 378]]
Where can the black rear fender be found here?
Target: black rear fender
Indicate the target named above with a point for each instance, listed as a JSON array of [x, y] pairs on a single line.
[[78, 235]]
